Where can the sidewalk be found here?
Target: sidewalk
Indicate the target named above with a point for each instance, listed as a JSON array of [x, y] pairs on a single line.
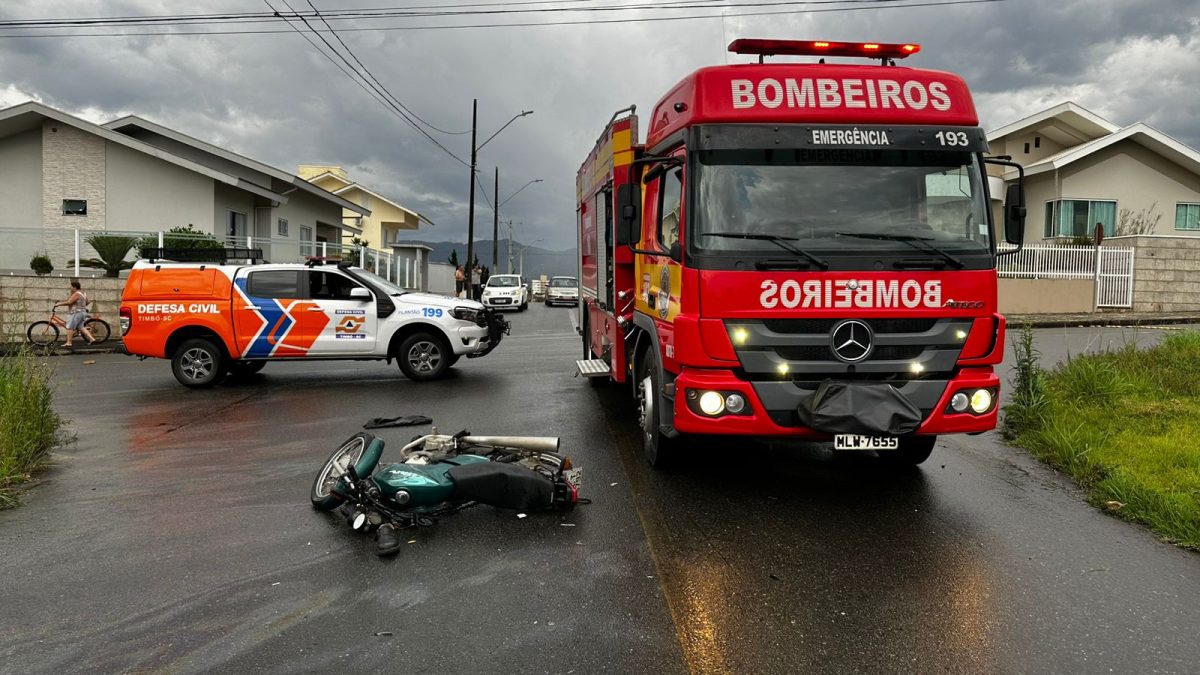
[[1103, 319]]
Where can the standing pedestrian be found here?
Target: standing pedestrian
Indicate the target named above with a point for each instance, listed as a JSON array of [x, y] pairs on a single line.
[[476, 282], [459, 281]]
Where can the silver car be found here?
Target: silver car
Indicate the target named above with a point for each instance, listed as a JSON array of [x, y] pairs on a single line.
[[562, 291]]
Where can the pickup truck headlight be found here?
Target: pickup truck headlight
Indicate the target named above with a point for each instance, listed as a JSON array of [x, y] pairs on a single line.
[[465, 314]]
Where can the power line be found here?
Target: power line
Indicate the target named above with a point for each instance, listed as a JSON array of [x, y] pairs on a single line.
[[944, 3], [371, 75], [391, 108]]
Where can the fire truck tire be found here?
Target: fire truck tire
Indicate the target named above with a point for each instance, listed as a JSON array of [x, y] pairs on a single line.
[[660, 451], [913, 451], [198, 363], [424, 356]]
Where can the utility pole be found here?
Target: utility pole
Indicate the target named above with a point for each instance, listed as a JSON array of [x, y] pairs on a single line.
[[510, 238], [471, 206], [496, 220]]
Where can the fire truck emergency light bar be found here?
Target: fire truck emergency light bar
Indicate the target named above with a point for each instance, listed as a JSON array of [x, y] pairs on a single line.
[[874, 50]]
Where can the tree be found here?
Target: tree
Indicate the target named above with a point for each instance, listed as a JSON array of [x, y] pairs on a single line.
[[1131, 222], [112, 250], [454, 257]]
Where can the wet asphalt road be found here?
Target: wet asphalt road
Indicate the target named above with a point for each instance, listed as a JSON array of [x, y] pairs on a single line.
[[175, 535]]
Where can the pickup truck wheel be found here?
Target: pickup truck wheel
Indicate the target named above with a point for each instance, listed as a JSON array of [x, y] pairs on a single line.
[[424, 356], [913, 450], [661, 452], [198, 363]]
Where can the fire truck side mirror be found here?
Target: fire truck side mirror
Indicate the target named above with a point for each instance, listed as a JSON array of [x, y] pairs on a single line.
[[1014, 214], [627, 229]]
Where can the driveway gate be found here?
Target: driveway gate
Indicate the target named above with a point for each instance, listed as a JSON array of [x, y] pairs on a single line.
[[1114, 277]]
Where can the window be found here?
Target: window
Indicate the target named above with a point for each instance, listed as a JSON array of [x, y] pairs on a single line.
[[1187, 216], [1078, 217], [283, 227], [274, 284], [1037, 141], [670, 208], [329, 286], [306, 238], [74, 207], [1027, 148]]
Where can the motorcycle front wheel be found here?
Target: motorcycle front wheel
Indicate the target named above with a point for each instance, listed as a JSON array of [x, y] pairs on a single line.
[[362, 451]]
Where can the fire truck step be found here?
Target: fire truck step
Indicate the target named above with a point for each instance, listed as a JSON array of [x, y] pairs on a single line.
[[592, 367]]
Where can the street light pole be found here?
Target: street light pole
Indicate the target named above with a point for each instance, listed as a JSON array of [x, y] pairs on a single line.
[[495, 220], [471, 205]]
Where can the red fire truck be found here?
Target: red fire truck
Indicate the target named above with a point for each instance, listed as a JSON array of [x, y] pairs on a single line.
[[798, 250]]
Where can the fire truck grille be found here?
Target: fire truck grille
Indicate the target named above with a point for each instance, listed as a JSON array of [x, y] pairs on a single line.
[[823, 353], [810, 326]]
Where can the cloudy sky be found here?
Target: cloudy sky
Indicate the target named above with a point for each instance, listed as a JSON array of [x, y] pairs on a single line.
[[273, 97]]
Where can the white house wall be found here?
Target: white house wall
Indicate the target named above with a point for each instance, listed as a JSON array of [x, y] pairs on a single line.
[[146, 193], [228, 198], [72, 168], [21, 180], [199, 156], [1136, 178]]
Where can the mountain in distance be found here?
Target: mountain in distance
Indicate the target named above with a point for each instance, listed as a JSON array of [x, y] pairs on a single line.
[[538, 261]]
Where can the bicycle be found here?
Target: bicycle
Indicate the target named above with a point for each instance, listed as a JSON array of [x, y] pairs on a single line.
[[45, 333]]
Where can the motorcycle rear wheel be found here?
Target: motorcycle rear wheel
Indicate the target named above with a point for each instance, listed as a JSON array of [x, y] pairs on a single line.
[[362, 451]]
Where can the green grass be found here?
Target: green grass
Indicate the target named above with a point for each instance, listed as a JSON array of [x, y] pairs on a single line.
[[29, 427], [1126, 426]]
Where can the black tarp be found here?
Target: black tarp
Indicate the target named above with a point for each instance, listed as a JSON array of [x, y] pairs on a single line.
[[868, 408]]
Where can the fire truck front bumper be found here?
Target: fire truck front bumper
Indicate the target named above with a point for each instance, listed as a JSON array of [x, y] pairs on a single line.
[[718, 402]]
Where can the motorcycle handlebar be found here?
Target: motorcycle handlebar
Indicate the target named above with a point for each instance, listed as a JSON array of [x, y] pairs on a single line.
[[534, 443]]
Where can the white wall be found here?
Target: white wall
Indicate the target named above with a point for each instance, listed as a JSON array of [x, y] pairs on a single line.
[[146, 193], [21, 179]]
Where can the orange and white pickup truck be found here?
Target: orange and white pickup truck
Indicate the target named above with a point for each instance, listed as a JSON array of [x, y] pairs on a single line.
[[211, 320]]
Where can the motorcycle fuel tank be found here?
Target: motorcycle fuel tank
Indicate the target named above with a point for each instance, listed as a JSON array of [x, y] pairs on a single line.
[[425, 484]]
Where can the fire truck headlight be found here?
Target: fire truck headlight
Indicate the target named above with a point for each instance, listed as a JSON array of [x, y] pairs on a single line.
[[712, 403], [959, 402], [734, 403], [981, 401]]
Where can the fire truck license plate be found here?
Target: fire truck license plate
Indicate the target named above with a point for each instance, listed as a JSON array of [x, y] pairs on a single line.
[[856, 442]]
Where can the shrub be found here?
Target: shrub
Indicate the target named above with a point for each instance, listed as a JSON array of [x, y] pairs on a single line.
[[179, 237], [112, 250], [1029, 401], [40, 264], [29, 427]]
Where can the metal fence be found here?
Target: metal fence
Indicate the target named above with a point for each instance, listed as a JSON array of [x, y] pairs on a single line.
[[1111, 267], [71, 252]]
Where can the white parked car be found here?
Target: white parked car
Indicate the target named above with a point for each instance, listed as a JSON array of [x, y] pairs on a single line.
[[505, 291], [562, 291]]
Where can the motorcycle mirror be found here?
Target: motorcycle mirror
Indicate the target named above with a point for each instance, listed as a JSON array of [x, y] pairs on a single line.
[[359, 519]]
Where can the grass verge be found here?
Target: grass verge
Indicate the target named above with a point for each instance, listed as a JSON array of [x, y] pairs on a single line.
[[1124, 424], [29, 427]]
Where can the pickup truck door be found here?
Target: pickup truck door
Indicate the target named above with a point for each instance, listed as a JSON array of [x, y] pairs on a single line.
[[267, 306], [341, 325]]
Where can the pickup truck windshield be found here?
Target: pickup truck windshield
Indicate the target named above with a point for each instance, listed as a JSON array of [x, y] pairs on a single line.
[[388, 286], [840, 200]]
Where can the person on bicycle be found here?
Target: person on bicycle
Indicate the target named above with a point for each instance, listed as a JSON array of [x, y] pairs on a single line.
[[77, 314]]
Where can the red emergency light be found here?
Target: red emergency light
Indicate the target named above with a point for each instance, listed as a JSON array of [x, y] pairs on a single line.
[[874, 50]]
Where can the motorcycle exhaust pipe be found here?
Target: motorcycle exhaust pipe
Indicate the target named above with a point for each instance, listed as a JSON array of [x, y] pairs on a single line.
[[533, 443]]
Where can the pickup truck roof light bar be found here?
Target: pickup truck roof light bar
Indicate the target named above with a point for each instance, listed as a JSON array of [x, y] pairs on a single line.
[[871, 50]]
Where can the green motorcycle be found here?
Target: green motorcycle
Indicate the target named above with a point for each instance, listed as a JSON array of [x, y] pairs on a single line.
[[438, 475]]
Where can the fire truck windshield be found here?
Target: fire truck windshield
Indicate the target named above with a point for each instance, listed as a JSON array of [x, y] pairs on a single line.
[[852, 201]]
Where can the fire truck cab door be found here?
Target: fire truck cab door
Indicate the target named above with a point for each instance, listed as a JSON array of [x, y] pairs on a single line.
[[663, 231]]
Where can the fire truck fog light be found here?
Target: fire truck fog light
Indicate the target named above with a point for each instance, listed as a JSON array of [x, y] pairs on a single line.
[[734, 403], [960, 334], [916, 368], [782, 368], [740, 336], [712, 403], [959, 402], [981, 401]]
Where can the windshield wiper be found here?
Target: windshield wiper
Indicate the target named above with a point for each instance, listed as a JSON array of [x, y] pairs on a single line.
[[919, 243], [781, 242]]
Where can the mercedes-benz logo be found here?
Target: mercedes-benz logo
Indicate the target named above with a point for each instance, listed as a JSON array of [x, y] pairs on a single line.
[[851, 341]]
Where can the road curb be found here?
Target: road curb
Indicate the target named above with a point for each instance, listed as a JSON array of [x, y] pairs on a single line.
[[1114, 322]]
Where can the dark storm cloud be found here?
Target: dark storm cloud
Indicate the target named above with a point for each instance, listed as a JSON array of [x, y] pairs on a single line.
[[271, 97]]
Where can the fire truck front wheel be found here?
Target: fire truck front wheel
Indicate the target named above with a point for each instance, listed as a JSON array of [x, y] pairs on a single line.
[[660, 451], [198, 363], [912, 451]]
